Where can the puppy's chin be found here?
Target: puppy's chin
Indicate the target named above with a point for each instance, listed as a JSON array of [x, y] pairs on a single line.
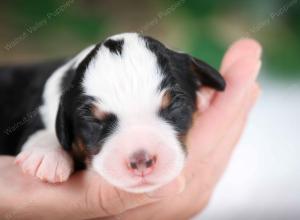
[[141, 185], [112, 161]]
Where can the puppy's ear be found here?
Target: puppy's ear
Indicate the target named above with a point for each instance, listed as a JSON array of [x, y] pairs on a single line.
[[183, 64], [206, 74], [64, 129]]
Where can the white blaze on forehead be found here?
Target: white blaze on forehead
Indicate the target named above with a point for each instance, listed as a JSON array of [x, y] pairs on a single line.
[[126, 83]]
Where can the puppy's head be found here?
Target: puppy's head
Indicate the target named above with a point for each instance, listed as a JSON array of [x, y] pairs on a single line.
[[128, 108]]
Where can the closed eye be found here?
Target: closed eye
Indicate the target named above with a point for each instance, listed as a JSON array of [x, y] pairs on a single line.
[[95, 125], [100, 129]]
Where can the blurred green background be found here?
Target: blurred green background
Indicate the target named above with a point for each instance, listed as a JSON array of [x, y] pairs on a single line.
[[35, 30]]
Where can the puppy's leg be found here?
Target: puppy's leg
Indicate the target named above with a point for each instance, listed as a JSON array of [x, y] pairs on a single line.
[[43, 157]]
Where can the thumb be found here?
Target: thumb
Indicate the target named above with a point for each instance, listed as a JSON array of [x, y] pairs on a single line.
[[114, 201]]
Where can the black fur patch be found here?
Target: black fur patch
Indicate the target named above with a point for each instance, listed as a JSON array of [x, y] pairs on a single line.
[[91, 130], [21, 88], [72, 98], [76, 126], [183, 75], [181, 87], [115, 46]]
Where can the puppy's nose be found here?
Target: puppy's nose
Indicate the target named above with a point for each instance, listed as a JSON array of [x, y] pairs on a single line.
[[141, 163]]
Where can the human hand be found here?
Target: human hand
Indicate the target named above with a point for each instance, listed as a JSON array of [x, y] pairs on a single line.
[[214, 135], [87, 195]]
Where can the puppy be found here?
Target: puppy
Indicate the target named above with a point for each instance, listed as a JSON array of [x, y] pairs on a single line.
[[121, 107]]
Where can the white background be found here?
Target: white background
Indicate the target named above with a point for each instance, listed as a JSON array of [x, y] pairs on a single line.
[[262, 180]]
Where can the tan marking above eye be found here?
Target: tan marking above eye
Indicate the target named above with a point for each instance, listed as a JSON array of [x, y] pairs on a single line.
[[98, 113], [166, 100]]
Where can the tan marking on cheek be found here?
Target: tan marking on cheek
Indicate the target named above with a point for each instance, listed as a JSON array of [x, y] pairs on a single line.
[[166, 100]]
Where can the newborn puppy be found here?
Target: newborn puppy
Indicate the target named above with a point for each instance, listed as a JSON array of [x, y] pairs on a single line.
[[121, 107]]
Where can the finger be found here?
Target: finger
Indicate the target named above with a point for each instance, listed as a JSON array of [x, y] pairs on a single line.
[[239, 49], [230, 140], [205, 155], [220, 156], [239, 77], [216, 120]]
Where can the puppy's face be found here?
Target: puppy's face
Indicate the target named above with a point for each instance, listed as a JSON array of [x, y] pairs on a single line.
[[129, 109]]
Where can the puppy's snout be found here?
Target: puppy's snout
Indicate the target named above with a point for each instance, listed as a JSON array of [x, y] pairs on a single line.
[[141, 163]]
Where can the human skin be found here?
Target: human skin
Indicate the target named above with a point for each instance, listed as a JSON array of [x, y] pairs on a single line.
[[210, 142]]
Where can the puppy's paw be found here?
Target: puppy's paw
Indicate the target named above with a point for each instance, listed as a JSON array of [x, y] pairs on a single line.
[[51, 165]]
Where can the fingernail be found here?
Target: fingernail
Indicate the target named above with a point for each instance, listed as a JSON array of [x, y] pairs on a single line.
[[175, 187]]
